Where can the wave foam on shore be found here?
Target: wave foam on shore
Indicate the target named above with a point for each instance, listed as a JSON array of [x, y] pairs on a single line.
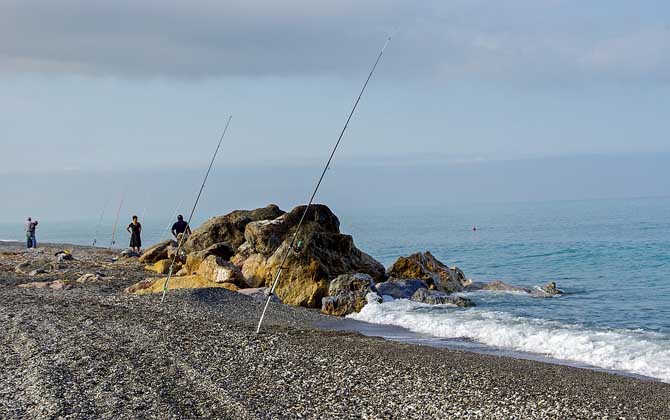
[[638, 352]]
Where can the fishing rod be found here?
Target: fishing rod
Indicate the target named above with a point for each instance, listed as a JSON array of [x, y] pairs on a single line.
[[97, 228], [316, 188], [190, 217], [116, 222], [166, 232]]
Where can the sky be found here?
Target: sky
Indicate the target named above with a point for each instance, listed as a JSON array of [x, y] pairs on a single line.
[[133, 95]]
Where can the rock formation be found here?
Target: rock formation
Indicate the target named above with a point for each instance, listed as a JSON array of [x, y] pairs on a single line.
[[228, 229], [424, 266], [157, 252], [347, 294], [435, 297]]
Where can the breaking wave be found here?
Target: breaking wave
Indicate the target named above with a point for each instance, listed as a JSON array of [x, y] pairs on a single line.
[[634, 351]]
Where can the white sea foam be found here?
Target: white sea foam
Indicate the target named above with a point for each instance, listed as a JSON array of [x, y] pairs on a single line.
[[634, 351]]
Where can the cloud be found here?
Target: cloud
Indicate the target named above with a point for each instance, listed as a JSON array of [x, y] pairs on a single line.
[[516, 39]]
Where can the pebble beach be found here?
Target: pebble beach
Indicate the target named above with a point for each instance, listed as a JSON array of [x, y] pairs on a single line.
[[91, 351]]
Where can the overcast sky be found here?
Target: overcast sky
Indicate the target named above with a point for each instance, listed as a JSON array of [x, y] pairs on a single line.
[[147, 85]]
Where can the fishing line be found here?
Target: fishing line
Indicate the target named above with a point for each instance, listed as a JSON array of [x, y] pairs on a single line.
[[318, 184], [202, 186]]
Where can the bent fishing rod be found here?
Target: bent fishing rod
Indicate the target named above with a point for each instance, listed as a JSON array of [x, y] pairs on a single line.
[[288, 250], [190, 217]]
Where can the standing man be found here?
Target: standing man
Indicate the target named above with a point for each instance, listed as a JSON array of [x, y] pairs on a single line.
[[30, 227], [180, 227]]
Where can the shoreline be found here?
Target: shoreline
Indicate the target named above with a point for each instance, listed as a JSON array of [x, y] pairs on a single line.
[[394, 333], [95, 352]]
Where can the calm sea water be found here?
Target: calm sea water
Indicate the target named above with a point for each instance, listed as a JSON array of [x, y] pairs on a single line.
[[610, 256]]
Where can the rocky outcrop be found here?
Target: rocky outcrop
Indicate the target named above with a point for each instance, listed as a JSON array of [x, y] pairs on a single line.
[[424, 266], [323, 254], [228, 229], [157, 252], [435, 297], [347, 294], [400, 288]]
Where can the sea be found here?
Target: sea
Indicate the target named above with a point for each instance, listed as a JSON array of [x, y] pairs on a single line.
[[611, 257]]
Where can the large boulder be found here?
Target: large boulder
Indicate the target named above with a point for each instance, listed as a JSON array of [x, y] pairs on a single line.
[[194, 259], [157, 252], [307, 272], [400, 288], [228, 229], [347, 294], [218, 270], [424, 266], [435, 297], [320, 254]]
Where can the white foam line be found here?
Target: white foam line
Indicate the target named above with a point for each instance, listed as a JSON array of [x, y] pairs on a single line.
[[631, 351]]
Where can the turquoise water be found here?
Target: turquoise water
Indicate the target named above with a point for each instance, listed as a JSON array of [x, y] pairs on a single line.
[[609, 256]]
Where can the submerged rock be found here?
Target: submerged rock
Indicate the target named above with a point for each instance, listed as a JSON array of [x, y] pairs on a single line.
[[435, 297], [157, 252], [400, 288], [424, 266]]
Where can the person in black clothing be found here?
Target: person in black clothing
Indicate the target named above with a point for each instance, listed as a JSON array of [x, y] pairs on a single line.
[[180, 227], [135, 229]]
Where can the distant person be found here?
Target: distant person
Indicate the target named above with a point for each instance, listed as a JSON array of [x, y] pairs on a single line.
[[474, 228], [31, 239], [135, 229], [180, 227]]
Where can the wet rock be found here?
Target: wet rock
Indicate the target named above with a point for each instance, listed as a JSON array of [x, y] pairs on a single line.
[[548, 290], [435, 297], [347, 294], [228, 229], [400, 288], [157, 252], [424, 266], [501, 286]]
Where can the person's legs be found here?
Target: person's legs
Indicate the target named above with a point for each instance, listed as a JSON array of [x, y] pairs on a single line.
[[29, 241], [34, 238]]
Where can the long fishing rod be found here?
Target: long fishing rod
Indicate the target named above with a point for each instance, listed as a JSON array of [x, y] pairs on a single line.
[[97, 228], [167, 230], [202, 187], [116, 222], [316, 189]]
